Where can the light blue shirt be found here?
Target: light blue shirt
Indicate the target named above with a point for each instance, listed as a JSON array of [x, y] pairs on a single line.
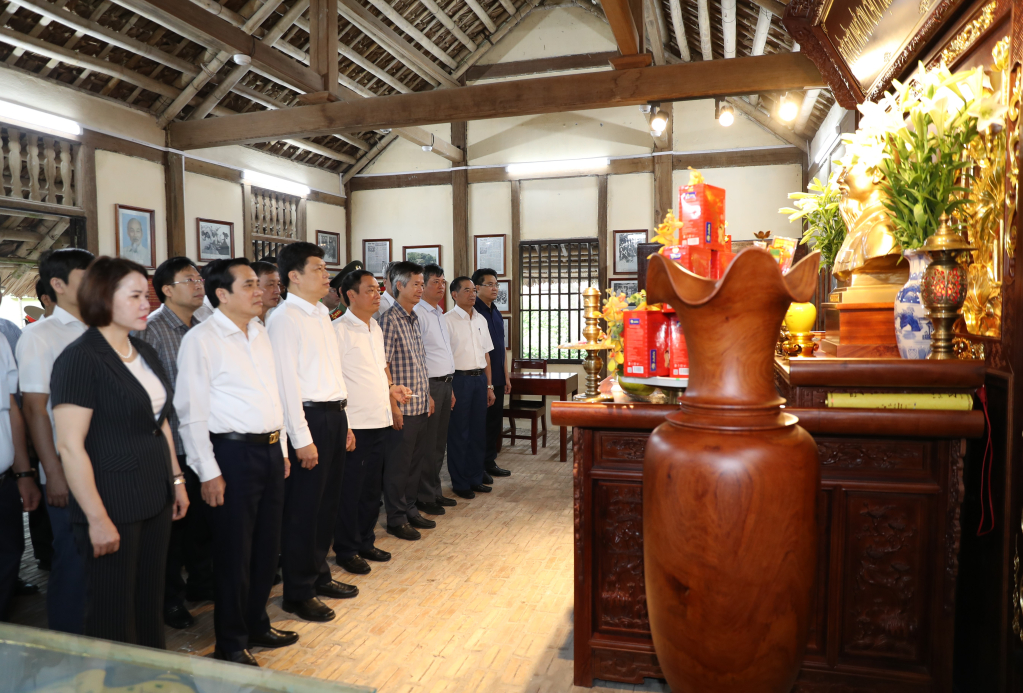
[[436, 339]]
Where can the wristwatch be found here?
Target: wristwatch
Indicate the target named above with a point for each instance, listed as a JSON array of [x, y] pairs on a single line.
[[490, 387], [22, 475]]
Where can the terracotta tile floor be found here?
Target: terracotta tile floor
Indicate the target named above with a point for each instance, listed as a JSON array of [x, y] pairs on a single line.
[[481, 603]]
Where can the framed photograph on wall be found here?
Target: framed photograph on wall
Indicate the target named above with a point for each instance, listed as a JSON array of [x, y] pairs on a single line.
[[490, 252], [214, 239], [626, 248], [331, 244], [507, 332], [624, 286], [421, 254], [136, 229], [503, 300], [376, 253]]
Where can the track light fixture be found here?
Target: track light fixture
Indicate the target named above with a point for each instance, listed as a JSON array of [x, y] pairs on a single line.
[[789, 109], [658, 120], [724, 113], [241, 59]]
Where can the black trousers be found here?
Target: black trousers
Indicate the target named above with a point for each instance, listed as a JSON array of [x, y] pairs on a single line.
[[495, 417], [190, 547], [466, 441], [12, 542], [360, 494], [311, 497], [124, 589], [246, 539], [401, 469], [39, 530], [66, 586], [435, 443]]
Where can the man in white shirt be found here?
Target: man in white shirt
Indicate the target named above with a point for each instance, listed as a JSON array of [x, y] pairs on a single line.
[[361, 342], [40, 345], [231, 420], [313, 391], [470, 347], [270, 283], [18, 491], [440, 366]]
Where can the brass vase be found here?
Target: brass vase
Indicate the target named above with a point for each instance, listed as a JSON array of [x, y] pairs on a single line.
[[730, 485], [943, 289]]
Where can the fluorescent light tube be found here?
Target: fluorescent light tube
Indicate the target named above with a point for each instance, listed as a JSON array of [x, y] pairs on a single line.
[[557, 166], [273, 183], [31, 116]]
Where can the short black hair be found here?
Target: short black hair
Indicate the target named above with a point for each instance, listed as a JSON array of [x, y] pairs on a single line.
[[261, 268], [219, 276], [483, 272], [293, 256], [402, 272], [204, 271], [456, 284], [44, 289], [432, 270], [351, 282], [165, 273], [59, 264]]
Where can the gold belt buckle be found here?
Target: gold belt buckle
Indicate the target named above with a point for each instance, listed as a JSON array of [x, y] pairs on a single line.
[[275, 437]]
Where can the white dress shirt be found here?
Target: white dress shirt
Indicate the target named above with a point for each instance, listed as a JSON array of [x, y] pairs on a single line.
[[307, 360], [470, 339], [8, 386], [40, 345], [439, 361], [386, 301], [226, 383], [362, 351], [204, 311]]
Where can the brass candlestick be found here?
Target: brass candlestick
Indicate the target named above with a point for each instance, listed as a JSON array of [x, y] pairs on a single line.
[[593, 362]]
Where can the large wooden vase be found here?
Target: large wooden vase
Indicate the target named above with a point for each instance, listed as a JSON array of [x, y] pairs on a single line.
[[729, 488]]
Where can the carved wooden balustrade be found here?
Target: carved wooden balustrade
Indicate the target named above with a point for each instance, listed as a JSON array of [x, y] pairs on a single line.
[[38, 167]]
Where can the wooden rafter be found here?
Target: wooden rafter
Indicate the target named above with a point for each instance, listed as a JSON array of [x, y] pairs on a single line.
[[806, 109], [703, 8], [680, 30]]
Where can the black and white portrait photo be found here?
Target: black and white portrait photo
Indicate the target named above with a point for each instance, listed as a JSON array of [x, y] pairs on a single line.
[[624, 286], [216, 240], [503, 300], [626, 259], [331, 244]]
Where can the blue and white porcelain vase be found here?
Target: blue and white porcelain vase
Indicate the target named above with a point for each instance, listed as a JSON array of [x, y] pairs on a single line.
[[912, 325]]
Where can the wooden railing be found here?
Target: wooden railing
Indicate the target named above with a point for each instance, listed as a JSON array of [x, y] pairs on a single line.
[[275, 219], [38, 168]]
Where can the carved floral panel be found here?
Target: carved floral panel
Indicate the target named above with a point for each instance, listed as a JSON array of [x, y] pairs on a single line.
[[620, 591]]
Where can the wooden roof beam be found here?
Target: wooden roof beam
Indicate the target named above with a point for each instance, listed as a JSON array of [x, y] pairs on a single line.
[[323, 44], [351, 54], [626, 20], [703, 17], [728, 27], [655, 38], [680, 30], [414, 33], [320, 149], [768, 123], [773, 6], [482, 14], [449, 24], [760, 42], [806, 110], [781, 72]]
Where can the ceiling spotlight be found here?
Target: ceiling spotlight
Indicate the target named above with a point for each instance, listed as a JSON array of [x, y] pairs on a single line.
[[789, 109], [725, 114], [427, 147], [241, 59], [658, 121]]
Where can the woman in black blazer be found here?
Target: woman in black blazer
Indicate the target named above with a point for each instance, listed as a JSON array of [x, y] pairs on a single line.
[[110, 400]]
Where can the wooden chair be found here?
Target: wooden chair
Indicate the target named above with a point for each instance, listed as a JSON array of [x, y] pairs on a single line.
[[532, 409]]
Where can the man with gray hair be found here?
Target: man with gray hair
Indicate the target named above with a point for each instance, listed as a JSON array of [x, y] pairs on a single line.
[[406, 358]]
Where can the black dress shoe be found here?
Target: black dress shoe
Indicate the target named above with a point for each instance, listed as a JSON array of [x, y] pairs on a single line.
[[239, 657], [274, 638], [420, 522], [446, 502], [375, 554], [497, 471], [309, 610], [177, 616], [430, 508], [467, 494], [354, 565], [480, 488], [337, 590], [404, 531], [487, 479], [27, 589]]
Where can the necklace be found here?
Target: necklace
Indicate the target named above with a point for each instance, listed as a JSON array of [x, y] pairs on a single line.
[[131, 350]]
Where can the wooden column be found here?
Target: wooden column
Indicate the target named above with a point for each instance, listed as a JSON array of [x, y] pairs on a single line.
[[247, 221], [348, 222], [301, 232], [460, 200], [603, 244], [512, 264], [323, 42], [85, 190], [174, 184], [663, 168]]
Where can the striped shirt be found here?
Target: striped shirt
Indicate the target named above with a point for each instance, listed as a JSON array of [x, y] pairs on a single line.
[[406, 355], [163, 332]]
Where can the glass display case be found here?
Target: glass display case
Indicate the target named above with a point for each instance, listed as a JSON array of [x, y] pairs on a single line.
[[45, 661]]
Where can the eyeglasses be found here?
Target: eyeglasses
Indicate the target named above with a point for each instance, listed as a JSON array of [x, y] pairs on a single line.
[[198, 280], [490, 285]]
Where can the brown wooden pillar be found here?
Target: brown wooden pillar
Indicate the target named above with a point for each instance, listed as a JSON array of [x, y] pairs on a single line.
[[174, 184], [663, 168], [460, 200]]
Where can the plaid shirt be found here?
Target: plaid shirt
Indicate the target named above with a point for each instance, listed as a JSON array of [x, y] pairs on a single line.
[[406, 355], [163, 332]]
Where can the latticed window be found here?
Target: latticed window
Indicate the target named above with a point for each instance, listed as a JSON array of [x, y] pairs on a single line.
[[552, 276], [275, 221]]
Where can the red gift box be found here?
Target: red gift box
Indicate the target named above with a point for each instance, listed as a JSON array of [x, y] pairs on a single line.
[[701, 209], [678, 366], [719, 262], [700, 259], [645, 337], [679, 254]]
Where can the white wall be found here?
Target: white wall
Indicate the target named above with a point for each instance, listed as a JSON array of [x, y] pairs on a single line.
[[129, 181], [323, 217], [212, 198], [490, 213], [416, 216], [559, 208], [695, 130], [402, 156]]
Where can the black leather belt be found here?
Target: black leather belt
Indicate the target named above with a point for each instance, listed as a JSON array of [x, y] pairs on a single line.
[[257, 438], [443, 378], [336, 405], [473, 373]]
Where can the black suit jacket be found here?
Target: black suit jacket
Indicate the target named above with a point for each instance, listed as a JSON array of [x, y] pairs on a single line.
[[129, 453]]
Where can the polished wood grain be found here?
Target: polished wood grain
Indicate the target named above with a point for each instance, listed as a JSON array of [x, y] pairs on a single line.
[[560, 385]]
